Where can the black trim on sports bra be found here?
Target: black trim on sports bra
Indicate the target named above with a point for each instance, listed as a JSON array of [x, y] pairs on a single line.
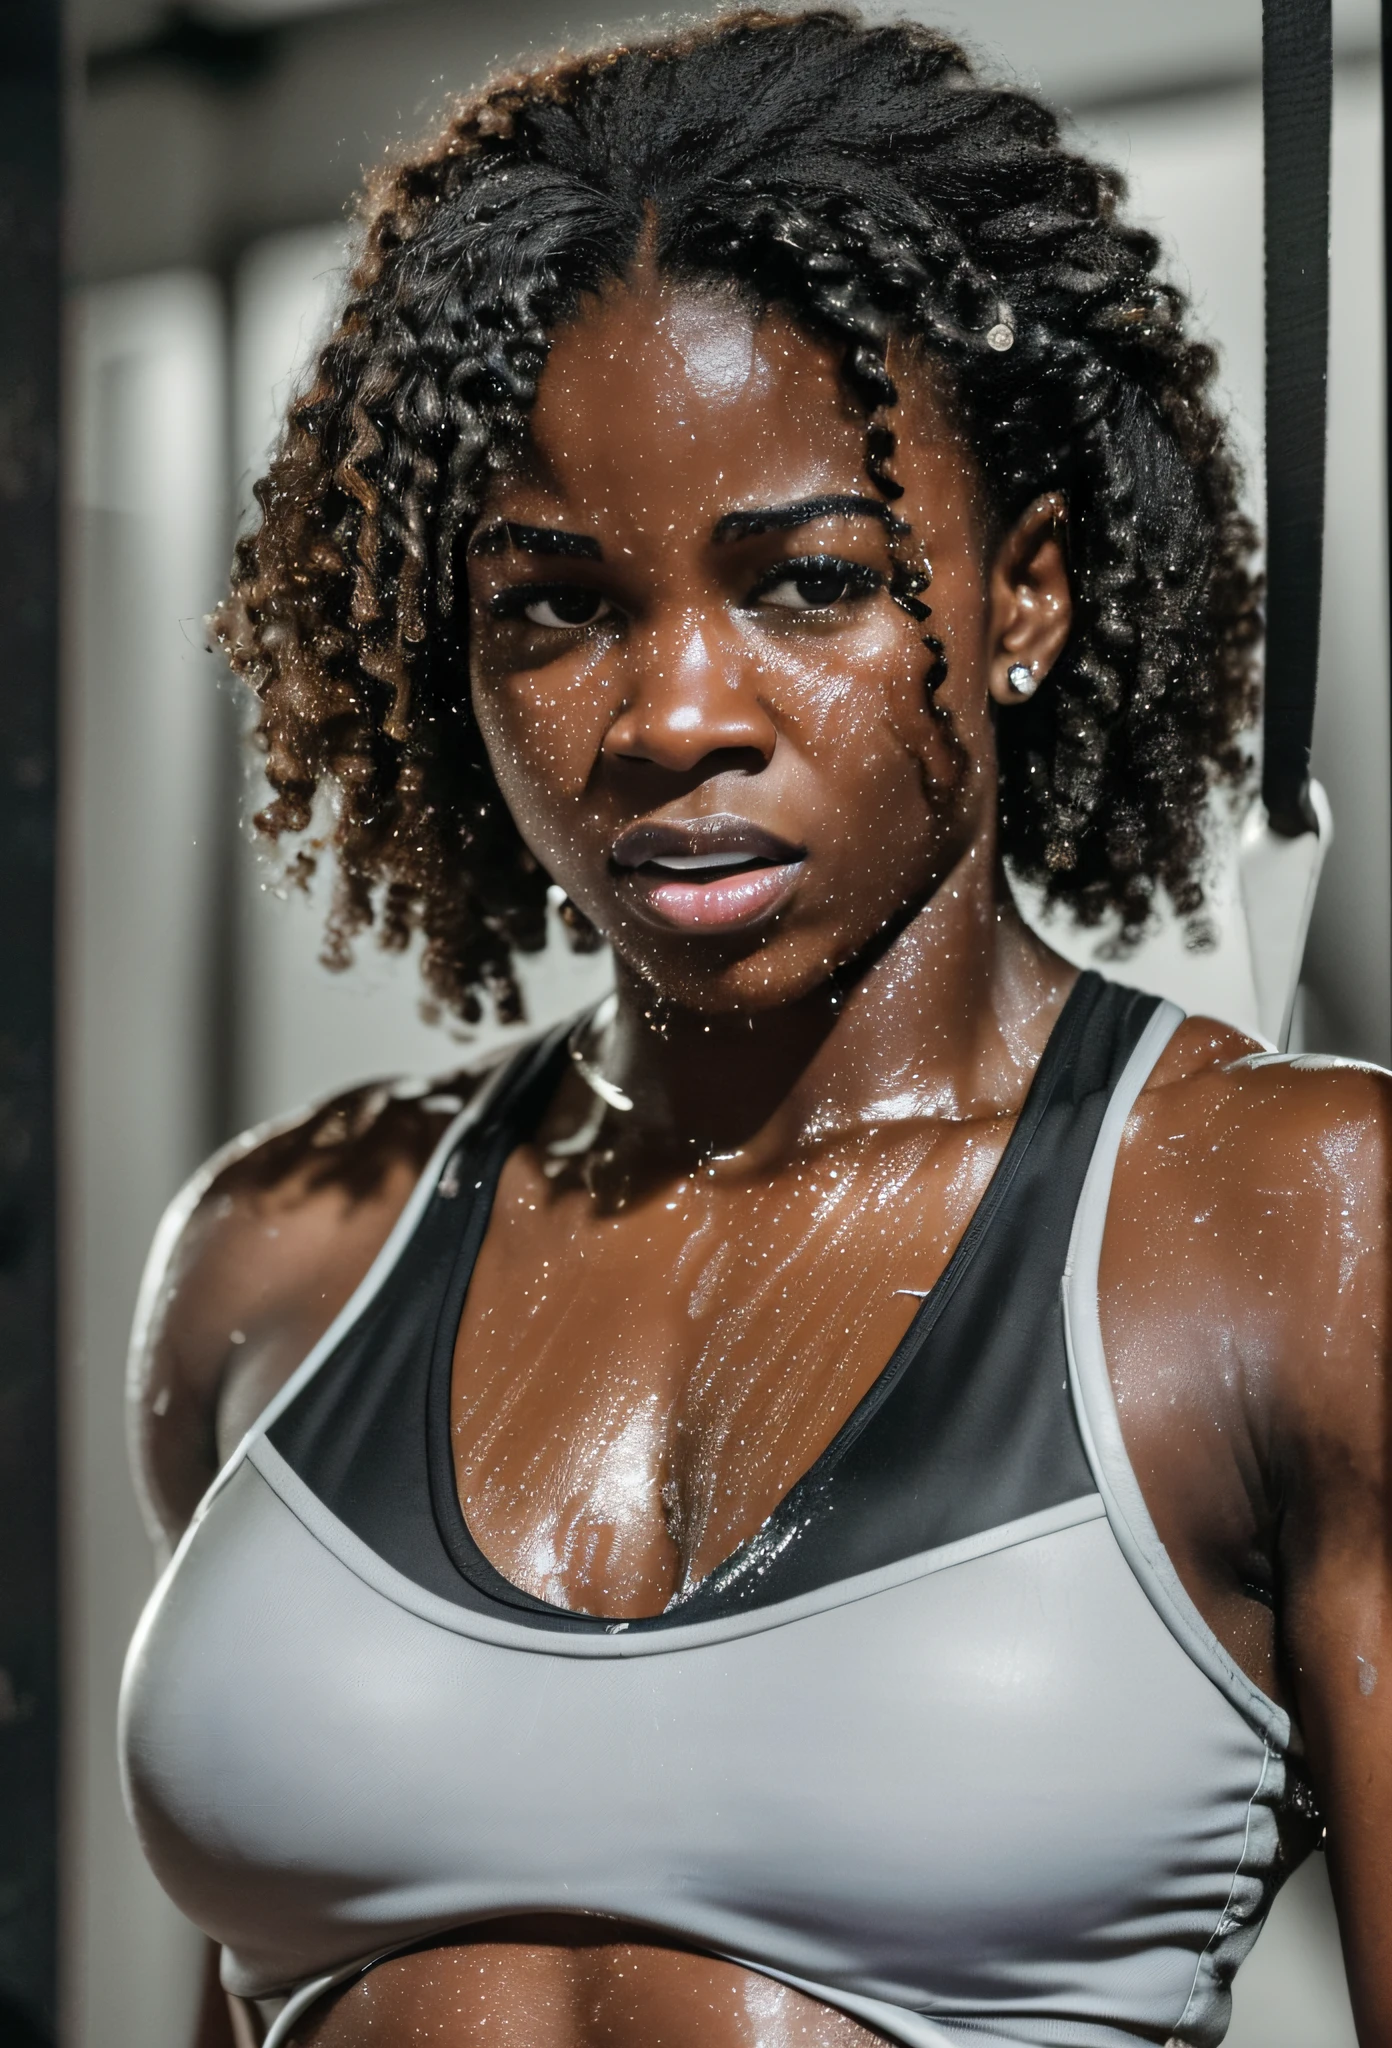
[[969, 1425]]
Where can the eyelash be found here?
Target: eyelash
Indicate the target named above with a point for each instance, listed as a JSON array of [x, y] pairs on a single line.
[[860, 581], [513, 602]]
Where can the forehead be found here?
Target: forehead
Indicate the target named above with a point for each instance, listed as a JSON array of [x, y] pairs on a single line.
[[663, 395]]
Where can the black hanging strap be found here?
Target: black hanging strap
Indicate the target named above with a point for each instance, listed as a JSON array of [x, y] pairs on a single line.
[[1297, 60]]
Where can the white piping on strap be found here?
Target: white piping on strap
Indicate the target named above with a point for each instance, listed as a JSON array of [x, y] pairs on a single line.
[[616, 1642], [1095, 1402]]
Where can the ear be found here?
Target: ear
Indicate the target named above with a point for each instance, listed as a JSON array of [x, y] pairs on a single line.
[[1030, 605]]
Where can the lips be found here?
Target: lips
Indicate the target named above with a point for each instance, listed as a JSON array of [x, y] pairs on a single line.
[[710, 873]]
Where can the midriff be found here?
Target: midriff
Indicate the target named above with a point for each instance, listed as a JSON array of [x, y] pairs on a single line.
[[562, 1983]]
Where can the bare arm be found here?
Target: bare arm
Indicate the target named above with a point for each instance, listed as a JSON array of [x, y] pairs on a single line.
[[1246, 1275], [249, 1268], [1336, 1543]]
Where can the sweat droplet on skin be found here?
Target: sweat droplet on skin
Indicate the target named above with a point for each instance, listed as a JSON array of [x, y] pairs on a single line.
[[671, 1450]]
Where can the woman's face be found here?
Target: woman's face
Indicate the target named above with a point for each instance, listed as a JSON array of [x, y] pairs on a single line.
[[708, 714]]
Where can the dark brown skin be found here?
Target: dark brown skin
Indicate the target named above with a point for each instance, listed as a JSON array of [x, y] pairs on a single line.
[[662, 1335]]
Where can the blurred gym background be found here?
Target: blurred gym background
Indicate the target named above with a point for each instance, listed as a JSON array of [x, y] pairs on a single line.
[[213, 153]]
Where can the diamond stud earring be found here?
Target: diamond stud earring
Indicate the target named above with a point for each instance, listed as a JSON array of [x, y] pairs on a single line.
[[1021, 679]]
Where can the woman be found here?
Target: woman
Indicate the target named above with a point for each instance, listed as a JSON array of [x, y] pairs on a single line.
[[841, 1497]]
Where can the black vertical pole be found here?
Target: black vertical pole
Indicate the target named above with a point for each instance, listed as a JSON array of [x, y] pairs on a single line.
[[30, 164], [1296, 100]]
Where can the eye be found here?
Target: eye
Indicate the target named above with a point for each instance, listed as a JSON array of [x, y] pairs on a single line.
[[573, 607], [815, 584], [558, 605]]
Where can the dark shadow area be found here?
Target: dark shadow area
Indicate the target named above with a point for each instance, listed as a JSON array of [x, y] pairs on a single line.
[[30, 132]]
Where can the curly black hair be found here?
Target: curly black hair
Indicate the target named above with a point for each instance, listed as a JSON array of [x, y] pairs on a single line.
[[866, 180]]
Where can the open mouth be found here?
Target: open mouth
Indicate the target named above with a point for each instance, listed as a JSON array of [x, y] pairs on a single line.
[[708, 873]]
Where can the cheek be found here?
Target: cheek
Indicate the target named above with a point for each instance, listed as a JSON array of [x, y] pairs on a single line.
[[834, 697], [860, 711], [542, 729]]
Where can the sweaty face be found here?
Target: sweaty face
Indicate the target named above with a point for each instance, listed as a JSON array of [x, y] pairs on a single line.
[[708, 714]]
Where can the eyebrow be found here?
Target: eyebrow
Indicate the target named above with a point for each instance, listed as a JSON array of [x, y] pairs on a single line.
[[783, 518], [534, 540]]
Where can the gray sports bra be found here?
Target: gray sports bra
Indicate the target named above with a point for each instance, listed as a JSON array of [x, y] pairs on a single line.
[[945, 1744]]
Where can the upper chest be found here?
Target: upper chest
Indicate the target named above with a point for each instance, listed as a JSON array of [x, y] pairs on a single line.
[[640, 1377], [705, 1289], [639, 1381]]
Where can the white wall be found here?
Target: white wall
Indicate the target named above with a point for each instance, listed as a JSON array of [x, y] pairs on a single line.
[[140, 719], [168, 168], [1347, 960]]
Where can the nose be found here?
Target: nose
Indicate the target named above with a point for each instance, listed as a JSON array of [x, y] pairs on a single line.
[[694, 694]]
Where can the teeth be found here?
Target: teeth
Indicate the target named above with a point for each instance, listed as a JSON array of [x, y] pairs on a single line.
[[687, 863]]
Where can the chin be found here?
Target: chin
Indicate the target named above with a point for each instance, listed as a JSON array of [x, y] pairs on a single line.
[[765, 972]]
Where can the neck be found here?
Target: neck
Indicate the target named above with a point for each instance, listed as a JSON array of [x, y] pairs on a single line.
[[948, 1021]]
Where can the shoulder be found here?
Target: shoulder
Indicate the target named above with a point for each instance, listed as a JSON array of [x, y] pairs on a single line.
[[255, 1257], [1323, 1120], [1251, 1216]]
